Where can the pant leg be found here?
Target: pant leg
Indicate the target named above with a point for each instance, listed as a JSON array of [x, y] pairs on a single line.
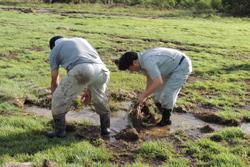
[[157, 95], [72, 85], [174, 83], [98, 90]]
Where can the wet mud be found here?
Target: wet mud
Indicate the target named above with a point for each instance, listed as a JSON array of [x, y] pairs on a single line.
[[125, 139], [120, 125]]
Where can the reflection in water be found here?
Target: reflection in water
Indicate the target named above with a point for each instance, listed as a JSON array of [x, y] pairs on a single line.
[[119, 121]]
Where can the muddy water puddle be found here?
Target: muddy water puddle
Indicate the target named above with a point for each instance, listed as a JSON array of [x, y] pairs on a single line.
[[120, 121]]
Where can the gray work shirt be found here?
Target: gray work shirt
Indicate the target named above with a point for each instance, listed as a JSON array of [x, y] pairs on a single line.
[[71, 52], [158, 62]]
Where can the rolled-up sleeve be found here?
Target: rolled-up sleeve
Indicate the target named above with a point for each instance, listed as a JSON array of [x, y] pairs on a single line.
[[54, 64]]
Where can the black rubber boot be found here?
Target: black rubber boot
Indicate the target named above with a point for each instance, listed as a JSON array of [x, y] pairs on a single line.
[[158, 105], [59, 128], [165, 120], [105, 124]]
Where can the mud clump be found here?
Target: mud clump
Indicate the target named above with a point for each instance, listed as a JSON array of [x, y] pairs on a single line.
[[143, 117], [140, 117], [206, 129], [129, 134]]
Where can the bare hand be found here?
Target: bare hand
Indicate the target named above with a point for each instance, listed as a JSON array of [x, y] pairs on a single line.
[[49, 97], [86, 97], [49, 94], [141, 99]]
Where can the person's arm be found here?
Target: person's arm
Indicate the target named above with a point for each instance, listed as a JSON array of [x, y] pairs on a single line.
[[154, 84], [149, 81], [54, 80]]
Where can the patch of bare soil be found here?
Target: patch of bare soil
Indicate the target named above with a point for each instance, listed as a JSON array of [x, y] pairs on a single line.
[[29, 10], [88, 132], [45, 163], [129, 134], [24, 10], [123, 151], [18, 102], [18, 164]]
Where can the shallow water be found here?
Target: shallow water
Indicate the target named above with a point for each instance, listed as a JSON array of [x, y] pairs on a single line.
[[119, 120]]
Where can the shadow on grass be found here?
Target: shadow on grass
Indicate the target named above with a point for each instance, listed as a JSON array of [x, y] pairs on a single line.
[[31, 143]]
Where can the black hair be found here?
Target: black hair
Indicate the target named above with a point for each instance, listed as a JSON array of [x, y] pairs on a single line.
[[126, 60], [53, 40]]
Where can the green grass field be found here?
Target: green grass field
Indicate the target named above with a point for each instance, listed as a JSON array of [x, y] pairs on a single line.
[[218, 46]]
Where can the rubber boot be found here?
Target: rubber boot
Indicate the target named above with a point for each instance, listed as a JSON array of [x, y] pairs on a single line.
[[59, 128], [165, 120], [105, 124], [158, 105]]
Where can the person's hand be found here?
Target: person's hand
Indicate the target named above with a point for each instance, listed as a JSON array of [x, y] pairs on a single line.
[[49, 94], [49, 97], [141, 99], [86, 97]]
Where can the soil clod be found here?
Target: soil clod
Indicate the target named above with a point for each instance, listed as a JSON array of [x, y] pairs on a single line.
[[142, 117], [129, 134], [206, 129]]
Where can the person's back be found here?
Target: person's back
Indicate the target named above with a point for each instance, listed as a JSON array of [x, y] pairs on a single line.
[[164, 59], [71, 52]]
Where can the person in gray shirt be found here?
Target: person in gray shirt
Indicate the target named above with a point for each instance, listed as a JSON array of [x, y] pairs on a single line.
[[86, 75], [166, 70]]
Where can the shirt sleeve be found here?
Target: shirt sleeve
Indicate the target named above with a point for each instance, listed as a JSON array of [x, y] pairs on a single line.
[[54, 64], [152, 69]]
